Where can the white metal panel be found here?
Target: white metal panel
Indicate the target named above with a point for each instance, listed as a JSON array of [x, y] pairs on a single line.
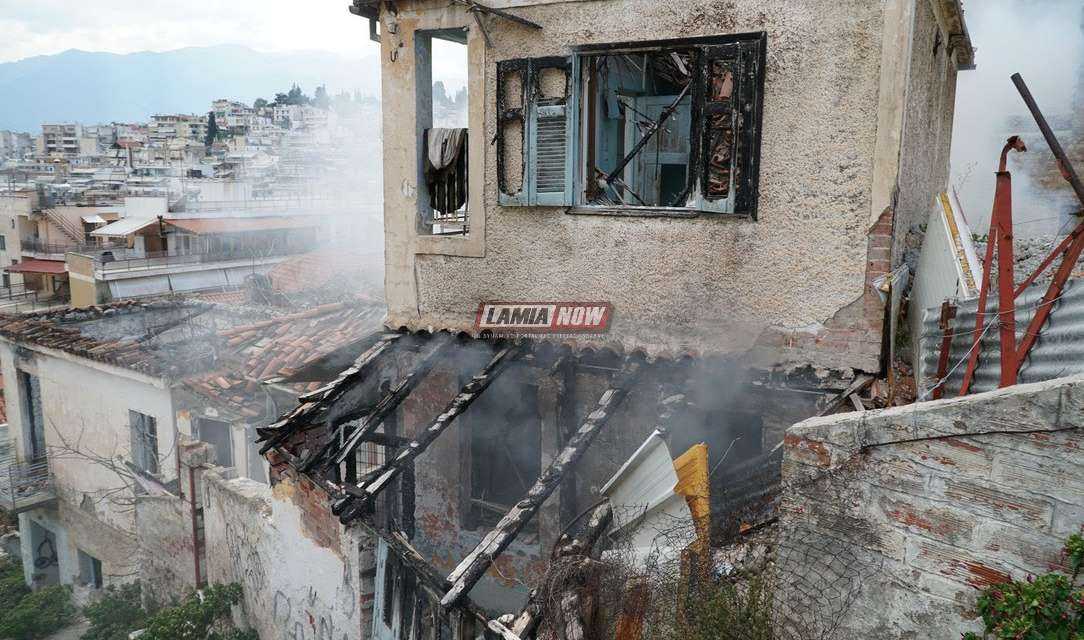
[[124, 227], [196, 280], [134, 287], [655, 521]]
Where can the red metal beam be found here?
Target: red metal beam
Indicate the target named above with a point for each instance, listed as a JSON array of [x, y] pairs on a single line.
[[948, 312], [1052, 294]]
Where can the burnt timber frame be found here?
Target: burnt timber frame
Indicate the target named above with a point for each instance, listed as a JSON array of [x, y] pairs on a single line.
[[474, 566], [359, 497], [314, 403]]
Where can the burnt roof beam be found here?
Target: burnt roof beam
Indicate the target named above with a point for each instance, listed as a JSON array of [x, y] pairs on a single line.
[[475, 565], [317, 401], [391, 401], [380, 479]]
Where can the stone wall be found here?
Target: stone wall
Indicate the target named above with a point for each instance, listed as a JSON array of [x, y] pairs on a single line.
[[894, 520], [300, 582], [167, 568]]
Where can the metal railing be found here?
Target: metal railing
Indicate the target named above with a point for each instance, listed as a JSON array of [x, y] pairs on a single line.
[[25, 486], [56, 248], [119, 261]]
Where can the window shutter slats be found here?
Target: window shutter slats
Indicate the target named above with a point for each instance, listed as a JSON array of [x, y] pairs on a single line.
[[539, 130]]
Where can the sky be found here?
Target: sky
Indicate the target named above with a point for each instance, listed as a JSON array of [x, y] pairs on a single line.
[[43, 27], [1042, 40]]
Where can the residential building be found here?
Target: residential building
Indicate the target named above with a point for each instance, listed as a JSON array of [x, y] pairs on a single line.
[[674, 173], [67, 140], [108, 399]]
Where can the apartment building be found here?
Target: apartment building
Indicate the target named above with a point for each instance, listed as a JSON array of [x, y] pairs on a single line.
[[67, 141]]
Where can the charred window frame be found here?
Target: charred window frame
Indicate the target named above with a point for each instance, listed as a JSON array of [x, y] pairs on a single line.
[[725, 110]]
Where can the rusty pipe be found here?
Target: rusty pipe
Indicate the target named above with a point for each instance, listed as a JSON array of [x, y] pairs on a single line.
[[1066, 167]]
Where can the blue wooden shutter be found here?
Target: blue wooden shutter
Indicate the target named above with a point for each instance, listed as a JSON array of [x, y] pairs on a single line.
[[548, 121]]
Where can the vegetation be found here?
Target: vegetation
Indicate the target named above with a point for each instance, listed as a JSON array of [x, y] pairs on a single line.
[[726, 610], [201, 616], [1049, 607], [213, 132], [116, 614], [26, 614]]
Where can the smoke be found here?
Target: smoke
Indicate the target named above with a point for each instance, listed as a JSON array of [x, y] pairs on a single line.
[[1041, 40]]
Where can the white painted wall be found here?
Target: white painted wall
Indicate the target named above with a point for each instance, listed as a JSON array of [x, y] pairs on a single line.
[[85, 406], [295, 589]]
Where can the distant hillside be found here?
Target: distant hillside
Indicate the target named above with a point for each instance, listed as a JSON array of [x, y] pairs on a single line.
[[92, 87]]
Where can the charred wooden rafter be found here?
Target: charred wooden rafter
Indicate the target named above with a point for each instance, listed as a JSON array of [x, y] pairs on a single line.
[[379, 480], [387, 404], [312, 405], [475, 565]]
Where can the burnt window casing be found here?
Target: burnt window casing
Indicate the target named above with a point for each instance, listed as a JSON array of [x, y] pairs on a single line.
[[663, 125], [30, 388]]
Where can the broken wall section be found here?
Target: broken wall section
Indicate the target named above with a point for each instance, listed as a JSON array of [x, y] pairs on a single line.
[[894, 520], [298, 582]]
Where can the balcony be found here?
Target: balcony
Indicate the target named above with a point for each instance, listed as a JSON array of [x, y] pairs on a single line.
[[25, 486], [56, 251]]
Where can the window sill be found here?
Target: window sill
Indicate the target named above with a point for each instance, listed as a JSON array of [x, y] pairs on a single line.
[[652, 212]]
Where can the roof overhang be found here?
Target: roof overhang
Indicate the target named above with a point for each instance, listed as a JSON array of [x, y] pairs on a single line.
[[959, 40], [51, 267]]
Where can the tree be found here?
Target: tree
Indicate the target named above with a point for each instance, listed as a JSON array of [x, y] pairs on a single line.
[[212, 130], [259, 104], [321, 99]]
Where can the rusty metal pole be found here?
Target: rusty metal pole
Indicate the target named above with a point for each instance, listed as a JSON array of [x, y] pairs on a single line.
[[195, 525], [948, 313], [1000, 235]]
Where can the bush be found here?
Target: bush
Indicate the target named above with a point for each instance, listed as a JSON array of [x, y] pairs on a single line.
[[198, 618], [12, 584], [116, 614], [38, 614], [1050, 607]]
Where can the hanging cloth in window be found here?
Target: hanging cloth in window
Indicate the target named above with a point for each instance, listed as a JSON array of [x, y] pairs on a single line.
[[446, 169]]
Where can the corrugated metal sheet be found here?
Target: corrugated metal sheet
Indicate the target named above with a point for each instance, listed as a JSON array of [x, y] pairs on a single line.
[[948, 267], [124, 227], [1058, 352], [656, 521]]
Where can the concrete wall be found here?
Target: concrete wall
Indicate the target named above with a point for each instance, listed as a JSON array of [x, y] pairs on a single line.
[[713, 283], [167, 569], [924, 153], [12, 206], [300, 581], [912, 511]]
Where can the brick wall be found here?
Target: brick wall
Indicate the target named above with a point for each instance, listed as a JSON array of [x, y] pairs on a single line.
[[894, 520], [852, 338]]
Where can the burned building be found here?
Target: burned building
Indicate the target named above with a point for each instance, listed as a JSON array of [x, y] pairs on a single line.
[[735, 183]]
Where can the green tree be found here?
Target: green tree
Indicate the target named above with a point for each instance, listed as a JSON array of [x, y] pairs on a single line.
[[321, 100], [212, 130], [116, 614], [259, 104]]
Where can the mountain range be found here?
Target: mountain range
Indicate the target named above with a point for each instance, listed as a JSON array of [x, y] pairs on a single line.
[[95, 87]]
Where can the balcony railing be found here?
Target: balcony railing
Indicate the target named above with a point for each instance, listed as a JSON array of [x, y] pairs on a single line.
[[121, 260], [53, 248], [25, 486]]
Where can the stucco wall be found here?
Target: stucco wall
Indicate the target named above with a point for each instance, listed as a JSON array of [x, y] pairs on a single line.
[[912, 510], [711, 283], [924, 153], [296, 586], [85, 406]]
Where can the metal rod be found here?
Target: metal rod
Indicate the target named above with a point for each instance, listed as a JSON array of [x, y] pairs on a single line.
[[1066, 167]]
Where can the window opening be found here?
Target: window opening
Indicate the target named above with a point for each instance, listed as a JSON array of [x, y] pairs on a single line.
[[442, 109], [144, 433], [217, 433]]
